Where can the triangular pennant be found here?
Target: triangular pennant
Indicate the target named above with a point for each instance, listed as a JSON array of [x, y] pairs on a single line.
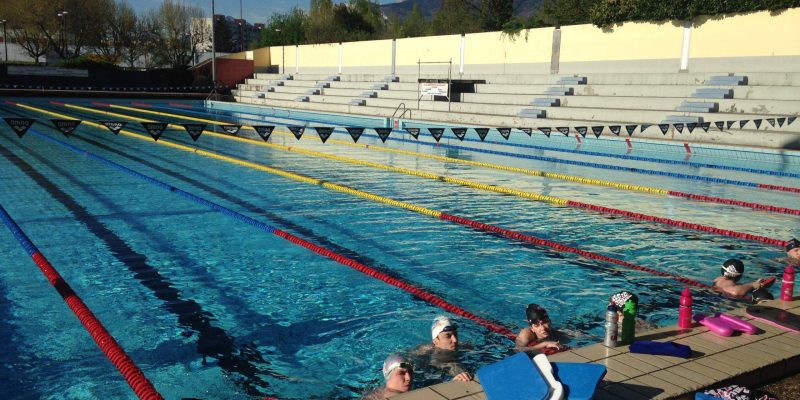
[[615, 129], [231, 129], [644, 127], [582, 130], [781, 121], [19, 125], [529, 131], [436, 133], [664, 128], [297, 131], [729, 124], [324, 132], [564, 130], [597, 130], [771, 121], [194, 130], [504, 132], [630, 129], [678, 127], [720, 125], [705, 125], [383, 133], [691, 126], [743, 122], [482, 132], [757, 122], [459, 132], [546, 131], [67, 126], [355, 132], [114, 126], [413, 131], [155, 129], [790, 120], [264, 131]]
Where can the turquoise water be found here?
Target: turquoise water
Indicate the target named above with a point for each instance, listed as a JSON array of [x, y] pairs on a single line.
[[210, 307]]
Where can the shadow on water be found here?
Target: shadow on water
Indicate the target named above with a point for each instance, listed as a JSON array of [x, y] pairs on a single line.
[[15, 374]]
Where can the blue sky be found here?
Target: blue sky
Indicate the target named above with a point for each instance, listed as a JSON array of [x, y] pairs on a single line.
[[252, 10]]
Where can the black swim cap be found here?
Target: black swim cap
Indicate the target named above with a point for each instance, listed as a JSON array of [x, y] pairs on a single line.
[[536, 314], [792, 244], [733, 269]]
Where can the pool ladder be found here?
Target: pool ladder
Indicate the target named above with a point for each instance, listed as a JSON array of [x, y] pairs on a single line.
[[401, 106]]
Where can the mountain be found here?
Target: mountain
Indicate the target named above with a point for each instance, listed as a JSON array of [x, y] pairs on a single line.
[[429, 7]]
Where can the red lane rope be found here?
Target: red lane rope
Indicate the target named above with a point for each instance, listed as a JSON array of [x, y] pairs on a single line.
[[430, 298], [778, 187], [757, 206], [113, 351], [542, 242], [681, 224]]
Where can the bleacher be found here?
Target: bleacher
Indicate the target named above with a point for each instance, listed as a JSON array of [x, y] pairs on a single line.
[[516, 100]]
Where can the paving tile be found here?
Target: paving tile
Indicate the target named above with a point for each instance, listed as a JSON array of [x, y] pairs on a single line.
[[633, 362], [660, 362], [719, 363], [420, 394], [619, 365], [703, 370], [670, 376], [656, 388], [595, 352], [625, 391], [457, 390], [567, 356]]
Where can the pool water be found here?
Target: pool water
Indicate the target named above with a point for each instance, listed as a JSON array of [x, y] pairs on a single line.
[[210, 307]]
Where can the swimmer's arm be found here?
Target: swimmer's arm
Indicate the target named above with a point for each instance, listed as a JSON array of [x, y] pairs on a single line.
[[523, 338], [743, 289]]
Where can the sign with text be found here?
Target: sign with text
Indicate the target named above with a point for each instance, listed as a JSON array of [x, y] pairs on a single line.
[[433, 88]]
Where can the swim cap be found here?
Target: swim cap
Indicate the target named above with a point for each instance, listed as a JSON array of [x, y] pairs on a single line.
[[622, 297], [536, 313], [792, 244], [441, 324], [392, 362], [733, 269]]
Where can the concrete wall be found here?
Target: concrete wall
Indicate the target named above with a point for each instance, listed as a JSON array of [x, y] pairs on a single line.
[[750, 42]]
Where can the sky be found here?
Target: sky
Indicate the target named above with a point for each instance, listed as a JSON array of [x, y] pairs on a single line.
[[252, 10]]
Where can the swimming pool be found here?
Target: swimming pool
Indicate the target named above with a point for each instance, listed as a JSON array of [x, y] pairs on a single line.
[[211, 307]]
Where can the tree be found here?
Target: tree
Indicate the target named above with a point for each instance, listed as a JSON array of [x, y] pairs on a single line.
[[320, 27], [415, 24], [496, 13], [455, 16], [175, 38]]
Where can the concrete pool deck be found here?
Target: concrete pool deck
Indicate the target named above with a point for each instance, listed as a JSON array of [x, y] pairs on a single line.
[[745, 360]]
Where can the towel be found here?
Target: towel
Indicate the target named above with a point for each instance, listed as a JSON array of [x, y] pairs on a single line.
[[661, 349]]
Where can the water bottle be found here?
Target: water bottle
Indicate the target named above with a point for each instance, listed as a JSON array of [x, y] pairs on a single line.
[[628, 322], [685, 309], [611, 326], [787, 284]]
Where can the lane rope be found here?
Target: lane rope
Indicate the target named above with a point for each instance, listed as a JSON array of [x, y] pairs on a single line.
[[385, 200], [107, 344], [515, 192]]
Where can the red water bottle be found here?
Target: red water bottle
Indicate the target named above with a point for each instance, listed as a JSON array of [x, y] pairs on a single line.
[[685, 309], [787, 285]]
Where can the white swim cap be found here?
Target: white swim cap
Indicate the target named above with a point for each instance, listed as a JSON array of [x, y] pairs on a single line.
[[392, 362], [441, 324]]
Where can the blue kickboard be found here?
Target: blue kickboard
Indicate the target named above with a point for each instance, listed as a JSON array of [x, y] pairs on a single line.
[[513, 378], [580, 380]]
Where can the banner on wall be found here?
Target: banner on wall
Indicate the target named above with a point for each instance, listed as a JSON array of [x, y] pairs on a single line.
[[631, 128], [529, 131], [615, 129], [433, 88], [114, 126], [757, 122], [597, 130], [436, 133], [324, 132], [546, 131], [504, 132], [581, 130], [564, 130], [482, 132], [356, 132], [231, 129], [19, 125], [459, 132], [264, 131], [297, 131], [194, 130], [720, 125], [66, 126], [412, 131], [155, 129], [705, 126], [383, 133]]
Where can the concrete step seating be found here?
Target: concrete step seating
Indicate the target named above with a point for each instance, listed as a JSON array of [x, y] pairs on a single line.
[[312, 92], [706, 93], [572, 80], [532, 113], [370, 95], [545, 102], [699, 107], [358, 102], [559, 91], [301, 98], [323, 85], [333, 78], [681, 119], [727, 80]]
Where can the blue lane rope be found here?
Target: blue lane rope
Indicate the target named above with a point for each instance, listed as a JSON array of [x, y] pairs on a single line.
[[503, 153], [573, 151]]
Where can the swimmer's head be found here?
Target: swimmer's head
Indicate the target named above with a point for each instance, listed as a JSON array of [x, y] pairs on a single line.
[[444, 334], [732, 269], [393, 362], [793, 248], [619, 299], [536, 314]]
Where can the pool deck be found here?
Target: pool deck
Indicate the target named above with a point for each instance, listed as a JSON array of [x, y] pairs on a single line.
[[746, 360]]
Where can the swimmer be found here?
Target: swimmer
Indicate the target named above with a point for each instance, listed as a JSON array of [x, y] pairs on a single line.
[[539, 335], [732, 271], [443, 348], [793, 251], [399, 376]]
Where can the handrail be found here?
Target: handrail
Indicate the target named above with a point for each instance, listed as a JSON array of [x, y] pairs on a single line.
[[402, 114]]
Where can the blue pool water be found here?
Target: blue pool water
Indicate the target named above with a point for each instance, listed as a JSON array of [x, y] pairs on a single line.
[[210, 307]]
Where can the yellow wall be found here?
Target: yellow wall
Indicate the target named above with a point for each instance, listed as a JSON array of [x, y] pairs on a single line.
[[751, 35], [431, 48], [318, 55], [261, 57], [631, 41], [373, 53], [530, 46]]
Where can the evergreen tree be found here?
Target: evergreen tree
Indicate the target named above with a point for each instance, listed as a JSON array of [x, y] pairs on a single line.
[[496, 13], [415, 24]]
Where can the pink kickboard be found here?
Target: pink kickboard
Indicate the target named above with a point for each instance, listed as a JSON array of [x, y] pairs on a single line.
[[776, 317], [714, 324], [738, 324]]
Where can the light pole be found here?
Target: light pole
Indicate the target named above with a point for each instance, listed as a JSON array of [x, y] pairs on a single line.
[[283, 53], [5, 37], [213, 50], [63, 18]]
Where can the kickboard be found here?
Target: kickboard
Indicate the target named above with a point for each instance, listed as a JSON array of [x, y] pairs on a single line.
[[513, 378], [714, 324], [776, 317], [769, 281], [580, 380]]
